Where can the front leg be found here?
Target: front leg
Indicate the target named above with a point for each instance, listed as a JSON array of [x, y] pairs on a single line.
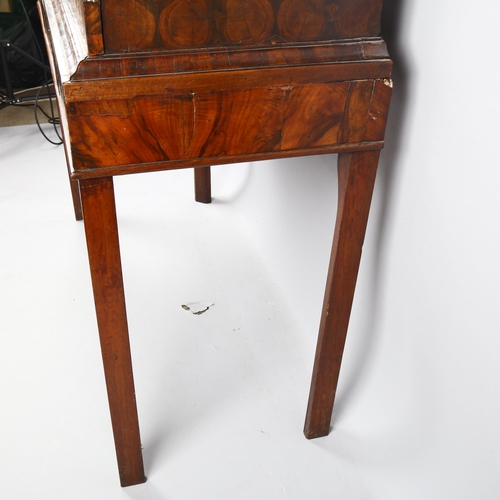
[[356, 173], [99, 215]]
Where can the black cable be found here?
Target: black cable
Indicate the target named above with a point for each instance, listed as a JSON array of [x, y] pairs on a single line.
[[49, 118], [54, 121]]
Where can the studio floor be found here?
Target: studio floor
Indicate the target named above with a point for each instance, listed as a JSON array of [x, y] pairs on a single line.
[[221, 395]]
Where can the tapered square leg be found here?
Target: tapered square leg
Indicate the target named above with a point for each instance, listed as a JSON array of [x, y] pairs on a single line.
[[75, 195], [356, 173], [202, 185], [99, 215]]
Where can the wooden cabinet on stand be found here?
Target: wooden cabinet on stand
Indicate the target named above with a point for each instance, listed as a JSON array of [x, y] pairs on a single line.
[[148, 85]]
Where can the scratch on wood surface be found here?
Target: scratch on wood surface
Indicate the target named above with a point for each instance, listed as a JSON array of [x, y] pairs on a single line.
[[194, 111], [284, 88]]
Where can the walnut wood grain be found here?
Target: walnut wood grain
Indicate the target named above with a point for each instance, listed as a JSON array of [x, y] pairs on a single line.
[[356, 173], [129, 24], [220, 58], [93, 27], [95, 173], [105, 268], [139, 25], [178, 84], [148, 129]]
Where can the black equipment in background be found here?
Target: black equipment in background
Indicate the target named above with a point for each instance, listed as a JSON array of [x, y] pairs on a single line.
[[22, 51], [23, 59]]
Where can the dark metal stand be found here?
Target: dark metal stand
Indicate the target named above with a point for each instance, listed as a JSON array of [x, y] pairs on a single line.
[[11, 99]]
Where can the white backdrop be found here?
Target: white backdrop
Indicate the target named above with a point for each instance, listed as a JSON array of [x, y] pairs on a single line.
[[423, 349], [222, 396]]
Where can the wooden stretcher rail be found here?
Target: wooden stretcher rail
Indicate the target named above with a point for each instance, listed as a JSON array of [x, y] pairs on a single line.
[[129, 87], [227, 160]]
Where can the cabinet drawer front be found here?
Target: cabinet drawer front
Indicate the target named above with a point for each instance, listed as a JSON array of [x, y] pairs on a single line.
[[138, 25], [229, 123]]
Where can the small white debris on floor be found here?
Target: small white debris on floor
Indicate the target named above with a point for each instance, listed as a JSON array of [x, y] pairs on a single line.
[[197, 307]]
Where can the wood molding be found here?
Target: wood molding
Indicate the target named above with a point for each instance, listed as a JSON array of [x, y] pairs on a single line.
[[222, 58]]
